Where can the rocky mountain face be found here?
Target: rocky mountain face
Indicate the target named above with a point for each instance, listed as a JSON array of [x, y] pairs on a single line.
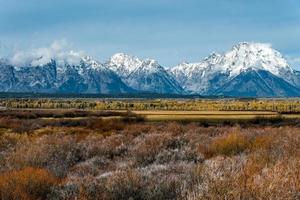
[[146, 75], [257, 83], [88, 76], [247, 70]]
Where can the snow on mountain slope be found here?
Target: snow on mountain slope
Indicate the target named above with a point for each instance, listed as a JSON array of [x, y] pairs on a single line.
[[123, 64], [203, 77], [214, 71], [254, 55], [146, 76], [257, 56], [152, 77], [61, 75], [248, 69], [91, 76]]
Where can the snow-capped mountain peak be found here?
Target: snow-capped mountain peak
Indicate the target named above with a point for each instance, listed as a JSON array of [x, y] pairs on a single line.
[[150, 65], [150, 76], [92, 63], [151, 62], [124, 59], [123, 64], [258, 56], [206, 76], [143, 75], [213, 58], [241, 57], [247, 69]]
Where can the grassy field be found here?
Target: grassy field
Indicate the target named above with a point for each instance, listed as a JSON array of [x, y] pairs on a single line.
[[204, 115], [212, 116], [160, 115], [157, 115]]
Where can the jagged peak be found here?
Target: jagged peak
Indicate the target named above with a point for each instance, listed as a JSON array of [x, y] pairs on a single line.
[[119, 59], [213, 55], [151, 62], [254, 55], [254, 47], [213, 58], [259, 49], [251, 44], [242, 56], [184, 62], [125, 64], [89, 61], [149, 66]]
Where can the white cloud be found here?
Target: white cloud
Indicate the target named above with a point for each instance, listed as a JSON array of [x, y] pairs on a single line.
[[58, 50]]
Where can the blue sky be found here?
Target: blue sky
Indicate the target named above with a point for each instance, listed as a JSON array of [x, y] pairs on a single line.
[[170, 31]]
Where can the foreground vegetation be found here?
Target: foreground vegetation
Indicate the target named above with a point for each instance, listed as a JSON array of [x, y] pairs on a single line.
[[66, 154]]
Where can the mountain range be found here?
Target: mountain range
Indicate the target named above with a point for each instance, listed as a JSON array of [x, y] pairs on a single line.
[[247, 70]]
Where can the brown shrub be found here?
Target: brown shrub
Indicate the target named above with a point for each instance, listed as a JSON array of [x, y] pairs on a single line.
[[215, 179], [125, 185], [55, 113], [105, 124], [262, 142], [174, 128], [109, 147], [28, 183], [259, 179], [227, 162], [8, 142], [149, 147], [228, 145], [136, 129], [135, 185], [165, 188], [54, 152]]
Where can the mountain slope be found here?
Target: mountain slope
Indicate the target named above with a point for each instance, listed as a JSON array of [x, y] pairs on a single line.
[[88, 76], [123, 64], [146, 76], [91, 77], [203, 77], [215, 71], [151, 77], [248, 69], [257, 83], [7, 77]]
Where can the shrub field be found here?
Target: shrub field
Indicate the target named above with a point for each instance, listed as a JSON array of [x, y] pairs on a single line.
[[58, 154]]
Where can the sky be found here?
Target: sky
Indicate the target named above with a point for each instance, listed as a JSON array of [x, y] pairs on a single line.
[[170, 31]]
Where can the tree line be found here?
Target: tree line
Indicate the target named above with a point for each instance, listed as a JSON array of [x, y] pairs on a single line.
[[276, 105]]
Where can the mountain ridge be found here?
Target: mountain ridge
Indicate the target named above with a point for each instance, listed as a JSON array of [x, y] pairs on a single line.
[[246, 70], [144, 75], [208, 75]]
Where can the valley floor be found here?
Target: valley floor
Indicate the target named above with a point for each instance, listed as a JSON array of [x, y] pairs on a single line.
[[68, 154]]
